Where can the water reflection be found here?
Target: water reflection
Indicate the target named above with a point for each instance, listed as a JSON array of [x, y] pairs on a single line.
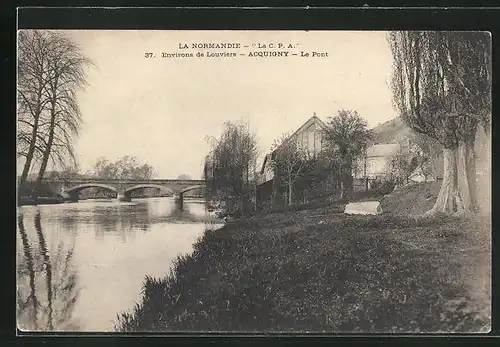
[[46, 285], [80, 264]]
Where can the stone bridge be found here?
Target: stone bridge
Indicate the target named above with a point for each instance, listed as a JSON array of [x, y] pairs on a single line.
[[124, 188]]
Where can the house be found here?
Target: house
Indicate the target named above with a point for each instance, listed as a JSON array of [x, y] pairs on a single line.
[[309, 136], [389, 139], [377, 159]]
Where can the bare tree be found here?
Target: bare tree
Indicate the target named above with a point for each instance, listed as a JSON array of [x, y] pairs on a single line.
[[347, 136], [289, 160], [441, 86], [51, 69], [32, 78], [65, 75], [230, 167]]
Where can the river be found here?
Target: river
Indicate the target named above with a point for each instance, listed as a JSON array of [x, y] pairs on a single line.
[[80, 264]]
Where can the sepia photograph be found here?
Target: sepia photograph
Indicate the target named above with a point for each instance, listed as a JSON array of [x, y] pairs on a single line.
[[253, 181]]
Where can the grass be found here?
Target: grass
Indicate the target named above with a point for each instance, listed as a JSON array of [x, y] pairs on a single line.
[[321, 271]]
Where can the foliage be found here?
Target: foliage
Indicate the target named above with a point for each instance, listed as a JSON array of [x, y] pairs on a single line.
[[184, 177], [400, 166], [68, 174], [126, 167], [442, 82], [230, 168], [432, 152], [347, 137], [35, 189]]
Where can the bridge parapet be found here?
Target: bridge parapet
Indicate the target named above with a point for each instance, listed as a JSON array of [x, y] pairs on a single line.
[[123, 186], [113, 181]]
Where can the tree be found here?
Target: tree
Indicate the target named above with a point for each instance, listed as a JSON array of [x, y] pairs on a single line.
[[400, 166], [103, 168], [69, 173], [126, 167], [230, 167], [51, 69], [321, 174], [347, 136], [441, 85], [65, 76], [289, 161], [31, 83]]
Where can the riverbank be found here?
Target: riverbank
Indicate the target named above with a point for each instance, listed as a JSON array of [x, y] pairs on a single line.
[[317, 270], [43, 200]]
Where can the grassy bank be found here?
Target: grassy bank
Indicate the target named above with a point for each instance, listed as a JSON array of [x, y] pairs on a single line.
[[317, 270]]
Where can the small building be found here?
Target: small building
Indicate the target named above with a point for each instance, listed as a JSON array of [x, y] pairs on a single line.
[[309, 136], [389, 139]]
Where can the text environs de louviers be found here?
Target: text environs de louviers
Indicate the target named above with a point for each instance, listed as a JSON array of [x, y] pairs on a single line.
[[208, 54]]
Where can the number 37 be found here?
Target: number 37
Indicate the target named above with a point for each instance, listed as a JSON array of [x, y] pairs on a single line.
[[148, 55]]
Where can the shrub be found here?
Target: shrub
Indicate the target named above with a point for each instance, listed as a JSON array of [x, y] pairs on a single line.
[[35, 189]]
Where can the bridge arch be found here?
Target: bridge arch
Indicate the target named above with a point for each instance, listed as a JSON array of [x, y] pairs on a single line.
[[146, 185], [81, 187], [199, 186]]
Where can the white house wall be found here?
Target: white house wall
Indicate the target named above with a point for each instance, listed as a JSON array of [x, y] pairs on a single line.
[[377, 166]]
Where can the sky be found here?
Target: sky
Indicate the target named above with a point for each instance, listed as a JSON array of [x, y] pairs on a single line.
[[161, 110]]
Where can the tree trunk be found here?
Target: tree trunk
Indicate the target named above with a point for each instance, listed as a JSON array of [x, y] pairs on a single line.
[[484, 187], [454, 196], [470, 166], [31, 150], [290, 184], [350, 179], [34, 133], [346, 182], [48, 148], [241, 205], [345, 186], [342, 191]]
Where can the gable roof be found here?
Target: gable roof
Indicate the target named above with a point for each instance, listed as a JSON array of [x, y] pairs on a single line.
[[307, 124], [313, 120], [263, 167]]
